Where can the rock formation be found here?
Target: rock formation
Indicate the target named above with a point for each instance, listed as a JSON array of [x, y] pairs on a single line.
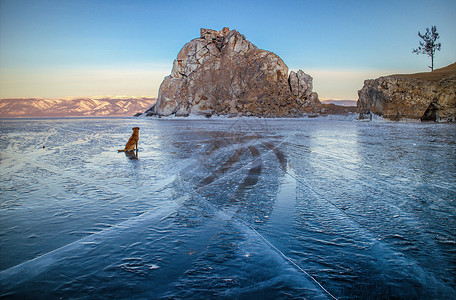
[[427, 96], [222, 73]]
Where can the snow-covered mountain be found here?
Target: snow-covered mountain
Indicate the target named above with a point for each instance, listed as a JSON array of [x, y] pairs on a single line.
[[100, 106], [339, 102]]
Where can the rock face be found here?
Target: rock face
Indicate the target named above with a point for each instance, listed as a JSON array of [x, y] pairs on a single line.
[[224, 74], [423, 96]]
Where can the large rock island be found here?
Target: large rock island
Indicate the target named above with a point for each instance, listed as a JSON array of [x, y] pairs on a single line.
[[222, 73], [429, 96]]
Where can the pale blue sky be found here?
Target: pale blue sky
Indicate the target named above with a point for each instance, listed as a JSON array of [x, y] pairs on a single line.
[[59, 48]]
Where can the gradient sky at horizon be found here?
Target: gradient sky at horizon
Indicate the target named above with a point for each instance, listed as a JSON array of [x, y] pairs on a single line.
[[61, 48]]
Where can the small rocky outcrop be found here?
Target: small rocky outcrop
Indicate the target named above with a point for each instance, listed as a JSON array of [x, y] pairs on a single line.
[[427, 96], [222, 73]]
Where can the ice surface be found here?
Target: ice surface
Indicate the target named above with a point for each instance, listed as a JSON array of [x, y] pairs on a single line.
[[272, 208]]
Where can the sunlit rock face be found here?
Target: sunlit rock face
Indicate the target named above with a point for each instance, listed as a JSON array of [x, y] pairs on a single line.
[[222, 73], [424, 96]]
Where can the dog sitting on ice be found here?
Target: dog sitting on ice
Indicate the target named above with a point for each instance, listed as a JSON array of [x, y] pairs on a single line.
[[132, 141]]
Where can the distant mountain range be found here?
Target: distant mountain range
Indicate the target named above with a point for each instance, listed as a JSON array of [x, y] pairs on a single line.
[[102, 106], [340, 102], [105, 106]]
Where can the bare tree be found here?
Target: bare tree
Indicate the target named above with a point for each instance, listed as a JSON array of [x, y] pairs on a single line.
[[429, 46]]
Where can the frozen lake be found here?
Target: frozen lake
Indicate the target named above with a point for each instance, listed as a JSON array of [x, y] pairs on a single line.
[[227, 208]]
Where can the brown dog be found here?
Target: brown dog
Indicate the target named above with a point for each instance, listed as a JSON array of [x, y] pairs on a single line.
[[132, 141]]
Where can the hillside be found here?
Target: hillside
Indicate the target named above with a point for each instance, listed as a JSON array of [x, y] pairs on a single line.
[[435, 75], [74, 107]]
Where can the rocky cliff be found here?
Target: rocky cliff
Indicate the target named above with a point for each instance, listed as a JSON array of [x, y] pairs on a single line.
[[222, 73], [119, 106], [429, 96]]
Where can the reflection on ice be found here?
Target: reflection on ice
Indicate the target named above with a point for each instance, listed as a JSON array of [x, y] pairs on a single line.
[[132, 154]]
